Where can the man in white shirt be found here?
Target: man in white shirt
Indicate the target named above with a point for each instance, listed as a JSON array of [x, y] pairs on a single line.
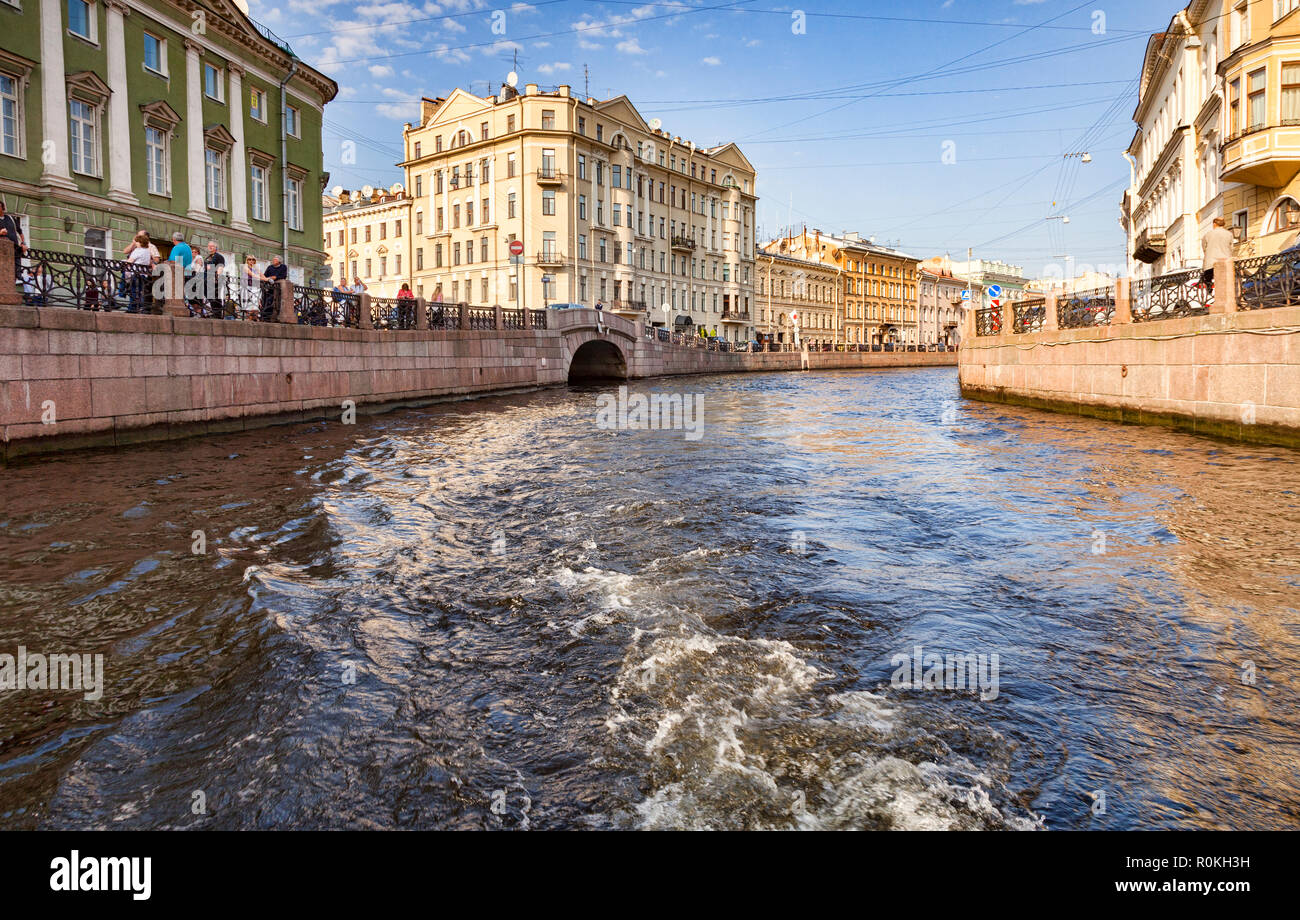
[[1215, 248]]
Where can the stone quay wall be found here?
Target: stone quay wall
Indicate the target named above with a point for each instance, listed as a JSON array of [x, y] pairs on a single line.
[[73, 378], [1229, 372]]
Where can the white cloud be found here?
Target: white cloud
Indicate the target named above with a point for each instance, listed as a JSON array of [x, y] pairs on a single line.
[[631, 46], [403, 112], [712, 61], [557, 67], [379, 71]]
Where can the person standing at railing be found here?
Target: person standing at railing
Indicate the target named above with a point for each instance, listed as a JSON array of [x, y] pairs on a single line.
[[250, 288], [9, 230], [214, 266], [276, 272], [141, 255], [1216, 247], [405, 308]]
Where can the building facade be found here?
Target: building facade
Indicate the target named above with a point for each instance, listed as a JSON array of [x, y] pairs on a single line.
[[877, 286], [161, 115], [368, 236], [988, 277], [939, 303], [609, 209], [796, 295]]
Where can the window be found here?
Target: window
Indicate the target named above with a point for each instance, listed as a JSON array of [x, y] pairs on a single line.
[[419, 185], [95, 243], [291, 125], [548, 203], [548, 119], [512, 202], [259, 176], [11, 115], [83, 137], [582, 167], [1282, 7], [257, 104], [154, 56], [1256, 99], [510, 124], [1285, 216], [81, 19], [582, 125], [582, 207], [295, 204], [510, 165], [397, 228], [1291, 92], [419, 260], [483, 253], [212, 83], [214, 171], [483, 131], [415, 151], [155, 160]]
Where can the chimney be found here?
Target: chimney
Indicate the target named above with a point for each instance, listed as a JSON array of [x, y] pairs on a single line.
[[530, 89], [564, 91]]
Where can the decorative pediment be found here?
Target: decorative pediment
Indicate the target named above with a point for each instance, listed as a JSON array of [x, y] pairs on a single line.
[[17, 62], [160, 115], [261, 158], [459, 104], [218, 138], [621, 109], [88, 87]]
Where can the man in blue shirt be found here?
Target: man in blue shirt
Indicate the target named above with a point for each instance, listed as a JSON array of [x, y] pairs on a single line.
[[181, 251]]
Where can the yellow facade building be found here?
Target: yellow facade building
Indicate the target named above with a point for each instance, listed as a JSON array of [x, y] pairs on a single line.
[[609, 209], [368, 236], [796, 292]]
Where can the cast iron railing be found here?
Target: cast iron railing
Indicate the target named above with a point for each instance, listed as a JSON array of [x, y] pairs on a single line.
[[1029, 315], [539, 319], [1269, 281], [1170, 296], [482, 319], [1084, 309], [443, 316], [392, 313], [317, 307], [63, 279], [988, 321], [512, 319]]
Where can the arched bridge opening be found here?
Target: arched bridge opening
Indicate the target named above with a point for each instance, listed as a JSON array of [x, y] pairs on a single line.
[[598, 359]]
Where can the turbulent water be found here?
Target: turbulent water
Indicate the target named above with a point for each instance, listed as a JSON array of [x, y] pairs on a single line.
[[495, 614]]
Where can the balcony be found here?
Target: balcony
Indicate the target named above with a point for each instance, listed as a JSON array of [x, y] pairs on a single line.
[[549, 175], [1150, 246], [550, 257], [734, 316], [684, 243], [630, 307], [1262, 155]]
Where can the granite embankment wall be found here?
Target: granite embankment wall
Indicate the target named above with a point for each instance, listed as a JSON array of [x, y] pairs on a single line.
[[77, 379], [1226, 373]]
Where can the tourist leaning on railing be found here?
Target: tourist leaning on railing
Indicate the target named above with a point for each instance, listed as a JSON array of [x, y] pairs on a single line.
[[10, 230], [143, 255]]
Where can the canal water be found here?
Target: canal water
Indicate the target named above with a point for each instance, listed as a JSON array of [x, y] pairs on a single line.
[[500, 614]]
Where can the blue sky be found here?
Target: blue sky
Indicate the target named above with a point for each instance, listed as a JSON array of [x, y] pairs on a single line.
[[934, 125]]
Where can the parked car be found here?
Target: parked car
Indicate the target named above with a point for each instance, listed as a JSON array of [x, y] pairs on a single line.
[[567, 306]]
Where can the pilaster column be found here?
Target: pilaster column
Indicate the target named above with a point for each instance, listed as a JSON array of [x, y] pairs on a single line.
[[197, 207], [56, 169], [238, 155], [119, 127]]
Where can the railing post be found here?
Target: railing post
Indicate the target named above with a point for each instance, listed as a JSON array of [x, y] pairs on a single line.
[[365, 319], [498, 317], [173, 280], [9, 295], [967, 324], [1123, 302], [464, 314], [1051, 318], [1225, 287], [421, 314], [286, 314], [528, 318]]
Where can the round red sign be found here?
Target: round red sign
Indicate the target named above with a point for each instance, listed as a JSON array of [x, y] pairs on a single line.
[[517, 248]]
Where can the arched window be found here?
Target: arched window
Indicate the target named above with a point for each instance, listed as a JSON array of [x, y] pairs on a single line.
[[1284, 215]]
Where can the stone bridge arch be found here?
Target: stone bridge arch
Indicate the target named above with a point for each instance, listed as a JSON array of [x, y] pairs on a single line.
[[597, 346]]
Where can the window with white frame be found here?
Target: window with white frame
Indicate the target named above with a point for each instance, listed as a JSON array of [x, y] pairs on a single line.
[[257, 104], [11, 115], [214, 171], [259, 176], [295, 204], [81, 19], [155, 159], [95, 243], [83, 137], [1282, 7], [212, 87], [155, 54], [291, 125]]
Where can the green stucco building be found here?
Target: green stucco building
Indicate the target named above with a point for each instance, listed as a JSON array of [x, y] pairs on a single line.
[[162, 115]]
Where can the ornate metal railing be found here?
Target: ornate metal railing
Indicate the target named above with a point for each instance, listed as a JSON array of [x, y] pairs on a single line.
[[1170, 296], [444, 316], [539, 319], [1084, 309], [1269, 281], [1029, 315], [512, 319], [317, 307], [392, 313], [62, 279], [482, 319], [988, 321]]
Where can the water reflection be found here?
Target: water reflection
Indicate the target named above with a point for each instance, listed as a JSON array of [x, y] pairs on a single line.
[[494, 614]]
